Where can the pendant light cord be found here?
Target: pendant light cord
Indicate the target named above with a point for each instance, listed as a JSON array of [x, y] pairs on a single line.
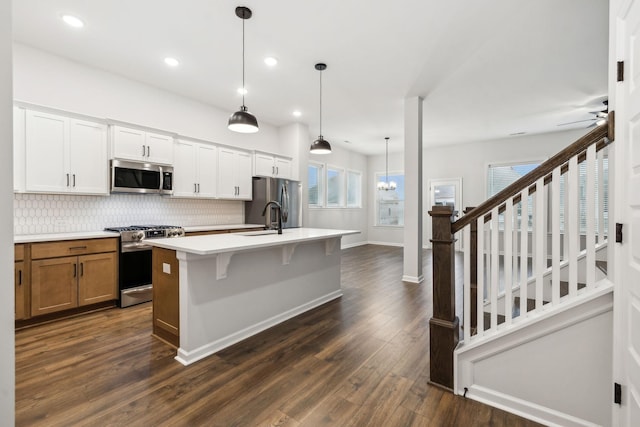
[[386, 165], [243, 88], [320, 103]]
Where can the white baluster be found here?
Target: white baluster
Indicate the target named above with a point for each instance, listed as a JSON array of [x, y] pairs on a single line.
[[555, 236], [573, 222], [495, 266], [480, 280], [540, 257], [508, 263], [601, 235], [466, 239], [590, 209], [524, 251]]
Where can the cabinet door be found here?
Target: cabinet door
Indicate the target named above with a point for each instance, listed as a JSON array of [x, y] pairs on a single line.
[[206, 163], [283, 168], [243, 175], [227, 188], [129, 143], [166, 295], [45, 153], [20, 291], [97, 278], [54, 285], [159, 148], [89, 167], [18, 148], [184, 172], [264, 165]]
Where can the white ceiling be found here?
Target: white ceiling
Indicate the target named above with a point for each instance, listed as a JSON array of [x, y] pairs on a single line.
[[486, 69]]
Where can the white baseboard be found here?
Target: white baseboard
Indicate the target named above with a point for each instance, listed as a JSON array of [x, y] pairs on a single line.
[[189, 357], [353, 245], [398, 245], [413, 279]]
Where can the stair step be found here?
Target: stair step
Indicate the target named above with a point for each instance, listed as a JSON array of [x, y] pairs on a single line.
[[531, 303], [602, 266], [564, 288]]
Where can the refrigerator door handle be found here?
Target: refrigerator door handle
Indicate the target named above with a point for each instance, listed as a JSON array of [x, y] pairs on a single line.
[[284, 202]]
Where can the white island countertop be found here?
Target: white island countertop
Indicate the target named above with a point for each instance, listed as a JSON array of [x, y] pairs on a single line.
[[235, 242]]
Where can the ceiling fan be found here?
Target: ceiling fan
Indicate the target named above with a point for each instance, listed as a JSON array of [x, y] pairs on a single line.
[[599, 117]]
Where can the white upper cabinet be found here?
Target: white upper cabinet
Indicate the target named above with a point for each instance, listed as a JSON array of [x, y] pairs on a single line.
[[271, 165], [234, 174], [139, 145], [65, 155], [194, 170], [18, 148]]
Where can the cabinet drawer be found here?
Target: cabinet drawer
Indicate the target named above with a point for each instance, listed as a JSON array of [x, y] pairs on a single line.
[[19, 252], [73, 247]]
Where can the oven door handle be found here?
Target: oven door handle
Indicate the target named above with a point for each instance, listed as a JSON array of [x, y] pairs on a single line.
[[139, 290], [135, 248]]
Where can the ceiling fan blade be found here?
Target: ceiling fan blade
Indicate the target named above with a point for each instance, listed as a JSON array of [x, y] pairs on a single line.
[[577, 121]]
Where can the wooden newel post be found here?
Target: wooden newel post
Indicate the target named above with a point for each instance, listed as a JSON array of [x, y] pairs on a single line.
[[444, 325]]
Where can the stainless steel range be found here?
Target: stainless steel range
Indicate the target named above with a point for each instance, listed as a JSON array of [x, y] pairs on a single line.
[[135, 271]]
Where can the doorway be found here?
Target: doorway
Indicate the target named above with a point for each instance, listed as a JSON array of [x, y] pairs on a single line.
[[447, 192]]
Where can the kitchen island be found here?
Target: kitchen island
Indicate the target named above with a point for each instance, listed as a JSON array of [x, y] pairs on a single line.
[[232, 286]]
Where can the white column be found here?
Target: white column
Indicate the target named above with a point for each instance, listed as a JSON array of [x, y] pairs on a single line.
[[413, 211], [7, 350]]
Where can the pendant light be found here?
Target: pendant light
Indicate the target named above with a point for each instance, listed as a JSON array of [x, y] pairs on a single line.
[[242, 120], [320, 145], [386, 185]]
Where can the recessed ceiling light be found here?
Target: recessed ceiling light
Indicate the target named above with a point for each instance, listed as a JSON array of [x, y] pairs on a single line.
[[297, 113], [271, 61], [172, 62], [242, 91], [73, 21]]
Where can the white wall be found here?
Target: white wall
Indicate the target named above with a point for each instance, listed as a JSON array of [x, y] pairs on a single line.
[[52, 81], [468, 161], [342, 218], [7, 349]]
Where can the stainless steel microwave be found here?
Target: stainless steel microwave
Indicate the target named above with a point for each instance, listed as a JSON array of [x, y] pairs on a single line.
[[134, 177]]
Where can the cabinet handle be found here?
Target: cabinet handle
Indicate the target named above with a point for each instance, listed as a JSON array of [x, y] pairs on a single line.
[[19, 277], [277, 171], [195, 187], [73, 248], [67, 180], [81, 269], [143, 151], [148, 151], [74, 179], [198, 187], [273, 170], [75, 270]]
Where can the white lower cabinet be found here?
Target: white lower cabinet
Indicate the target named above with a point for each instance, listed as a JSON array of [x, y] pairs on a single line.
[[65, 155], [194, 170], [234, 174]]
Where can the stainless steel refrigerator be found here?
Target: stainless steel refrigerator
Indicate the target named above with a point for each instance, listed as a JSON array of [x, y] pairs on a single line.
[[286, 192]]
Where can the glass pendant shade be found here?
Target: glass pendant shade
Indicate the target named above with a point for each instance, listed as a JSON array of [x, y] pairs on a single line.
[[243, 121], [320, 146]]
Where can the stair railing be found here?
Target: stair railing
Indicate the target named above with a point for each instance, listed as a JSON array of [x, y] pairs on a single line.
[[498, 246]]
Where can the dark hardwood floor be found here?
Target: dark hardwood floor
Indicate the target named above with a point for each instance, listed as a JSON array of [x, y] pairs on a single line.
[[361, 360]]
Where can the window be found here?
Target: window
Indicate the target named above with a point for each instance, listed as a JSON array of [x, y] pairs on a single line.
[[315, 179], [390, 203], [354, 189], [335, 187], [501, 176]]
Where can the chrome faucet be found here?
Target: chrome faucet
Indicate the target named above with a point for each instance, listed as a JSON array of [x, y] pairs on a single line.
[[279, 212]]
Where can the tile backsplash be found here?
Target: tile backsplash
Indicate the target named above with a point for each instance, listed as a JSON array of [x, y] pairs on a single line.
[[53, 213]]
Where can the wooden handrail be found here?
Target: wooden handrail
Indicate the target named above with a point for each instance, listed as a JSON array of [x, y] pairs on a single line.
[[542, 171]]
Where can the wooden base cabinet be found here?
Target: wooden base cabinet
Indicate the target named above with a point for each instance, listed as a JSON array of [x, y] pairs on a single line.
[[60, 281], [21, 283], [166, 296]]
